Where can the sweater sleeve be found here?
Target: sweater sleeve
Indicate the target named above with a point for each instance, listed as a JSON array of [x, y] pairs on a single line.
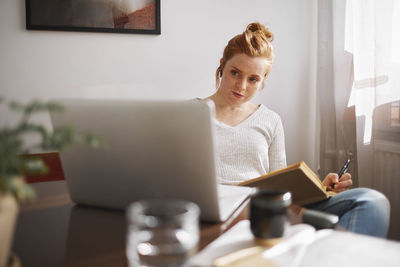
[[276, 152]]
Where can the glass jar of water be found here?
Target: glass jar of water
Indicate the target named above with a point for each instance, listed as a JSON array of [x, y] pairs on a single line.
[[162, 232]]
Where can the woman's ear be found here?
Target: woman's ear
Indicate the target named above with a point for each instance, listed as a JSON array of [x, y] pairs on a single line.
[[221, 65], [263, 82], [262, 85]]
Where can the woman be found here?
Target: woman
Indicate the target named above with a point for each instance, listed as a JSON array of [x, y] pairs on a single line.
[[250, 138]]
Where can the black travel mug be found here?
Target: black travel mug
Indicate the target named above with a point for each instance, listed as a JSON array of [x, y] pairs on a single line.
[[268, 214]]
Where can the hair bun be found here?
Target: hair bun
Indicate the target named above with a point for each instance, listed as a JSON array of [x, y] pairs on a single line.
[[255, 41], [258, 28]]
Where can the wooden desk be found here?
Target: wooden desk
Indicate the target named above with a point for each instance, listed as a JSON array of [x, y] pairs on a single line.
[[53, 231]]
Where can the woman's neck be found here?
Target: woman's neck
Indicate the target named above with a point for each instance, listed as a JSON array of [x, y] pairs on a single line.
[[232, 114]]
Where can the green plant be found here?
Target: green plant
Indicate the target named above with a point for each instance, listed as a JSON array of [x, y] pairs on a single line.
[[12, 146]]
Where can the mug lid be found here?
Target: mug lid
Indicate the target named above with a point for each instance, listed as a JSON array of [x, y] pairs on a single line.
[[271, 199]]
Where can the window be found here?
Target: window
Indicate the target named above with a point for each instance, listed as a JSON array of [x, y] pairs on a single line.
[[395, 114]]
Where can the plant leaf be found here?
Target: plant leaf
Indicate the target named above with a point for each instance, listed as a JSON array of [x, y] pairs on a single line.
[[38, 106], [32, 128], [17, 186], [33, 166], [10, 146], [16, 106], [54, 106], [61, 137], [93, 140]]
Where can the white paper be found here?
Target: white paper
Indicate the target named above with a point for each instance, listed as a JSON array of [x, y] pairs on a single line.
[[302, 245], [240, 237]]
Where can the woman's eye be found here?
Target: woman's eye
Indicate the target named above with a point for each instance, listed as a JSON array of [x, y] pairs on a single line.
[[234, 72], [253, 80]]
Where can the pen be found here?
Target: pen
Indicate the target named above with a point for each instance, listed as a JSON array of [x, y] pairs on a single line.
[[343, 170]]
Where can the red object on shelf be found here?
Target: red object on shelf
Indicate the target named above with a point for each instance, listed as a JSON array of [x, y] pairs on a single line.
[[53, 163]]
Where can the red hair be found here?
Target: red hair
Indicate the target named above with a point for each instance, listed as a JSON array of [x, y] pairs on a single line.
[[254, 42]]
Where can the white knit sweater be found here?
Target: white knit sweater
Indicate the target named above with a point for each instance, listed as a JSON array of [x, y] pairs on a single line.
[[252, 148]]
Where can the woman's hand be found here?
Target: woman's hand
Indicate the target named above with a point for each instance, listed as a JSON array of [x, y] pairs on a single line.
[[336, 184]]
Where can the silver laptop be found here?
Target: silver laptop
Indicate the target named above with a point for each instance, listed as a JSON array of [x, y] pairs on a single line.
[[153, 149]]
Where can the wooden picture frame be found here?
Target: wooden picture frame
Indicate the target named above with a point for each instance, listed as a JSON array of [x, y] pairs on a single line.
[[115, 16]]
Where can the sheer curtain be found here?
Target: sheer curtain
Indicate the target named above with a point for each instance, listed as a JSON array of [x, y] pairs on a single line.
[[360, 109]]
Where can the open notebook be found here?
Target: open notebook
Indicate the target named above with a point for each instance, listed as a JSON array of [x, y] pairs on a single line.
[[153, 149], [302, 245]]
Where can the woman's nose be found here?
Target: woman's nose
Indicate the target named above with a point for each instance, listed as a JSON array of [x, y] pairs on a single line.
[[241, 84]]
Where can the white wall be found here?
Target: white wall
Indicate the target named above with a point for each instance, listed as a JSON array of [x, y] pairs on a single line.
[[178, 64]]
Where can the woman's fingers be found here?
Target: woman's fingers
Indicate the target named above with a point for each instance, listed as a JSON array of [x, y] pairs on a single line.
[[346, 176], [331, 178], [334, 183], [344, 183]]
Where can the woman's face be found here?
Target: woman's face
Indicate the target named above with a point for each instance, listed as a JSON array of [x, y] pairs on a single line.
[[241, 77]]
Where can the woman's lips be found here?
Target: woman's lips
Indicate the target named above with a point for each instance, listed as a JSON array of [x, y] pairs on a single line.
[[237, 94]]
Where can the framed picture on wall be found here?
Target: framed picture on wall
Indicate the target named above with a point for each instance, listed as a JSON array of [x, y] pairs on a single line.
[[120, 16]]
